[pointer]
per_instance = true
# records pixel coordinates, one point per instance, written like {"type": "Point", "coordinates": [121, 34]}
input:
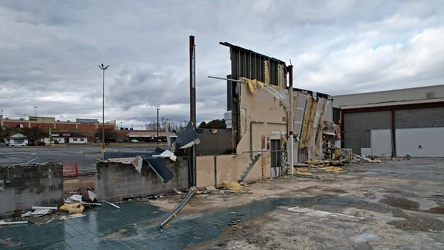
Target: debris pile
{"type": "Point", "coordinates": [335, 170]}
{"type": "Point", "coordinates": [232, 186]}
{"type": "Point", "coordinates": [72, 208]}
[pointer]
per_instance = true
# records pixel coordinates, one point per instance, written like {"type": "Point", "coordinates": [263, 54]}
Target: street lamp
{"type": "Point", "coordinates": [35, 110]}
{"type": "Point", "coordinates": [103, 68]}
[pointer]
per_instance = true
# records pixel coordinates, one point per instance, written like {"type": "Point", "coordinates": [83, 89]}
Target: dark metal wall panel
{"type": "Point", "coordinates": [420, 118]}
{"type": "Point", "coordinates": [357, 128]}
{"type": "Point", "coordinates": [249, 64]}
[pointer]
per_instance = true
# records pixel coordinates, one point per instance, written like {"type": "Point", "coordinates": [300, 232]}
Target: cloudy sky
{"type": "Point", "coordinates": [50, 51]}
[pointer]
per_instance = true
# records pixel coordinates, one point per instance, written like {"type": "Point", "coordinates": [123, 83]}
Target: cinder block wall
{"type": "Point", "coordinates": [213, 170]}
{"type": "Point", "coordinates": [22, 187]}
{"type": "Point", "coordinates": [118, 181]}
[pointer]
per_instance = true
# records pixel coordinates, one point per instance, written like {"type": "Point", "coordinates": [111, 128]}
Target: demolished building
{"type": "Point", "coordinates": [269, 130]}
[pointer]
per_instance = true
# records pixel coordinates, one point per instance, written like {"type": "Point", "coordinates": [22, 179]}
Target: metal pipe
{"type": "Point", "coordinates": [222, 78]}
{"type": "Point", "coordinates": [181, 205]}
{"type": "Point", "coordinates": [290, 118]}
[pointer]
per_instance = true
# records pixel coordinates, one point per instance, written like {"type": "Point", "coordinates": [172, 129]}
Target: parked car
{"type": "Point", "coordinates": [2, 144]}
{"type": "Point", "coordinates": [41, 143]}
{"type": "Point", "coordinates": [17, 144]}
{"type": "Point", "coordinates": [134, 140]}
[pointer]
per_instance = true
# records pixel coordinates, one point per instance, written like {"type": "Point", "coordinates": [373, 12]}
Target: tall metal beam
{"type": "Point", "coordinates": [290, 118]}
{"type": "Point", "coordinates": [192, 172]}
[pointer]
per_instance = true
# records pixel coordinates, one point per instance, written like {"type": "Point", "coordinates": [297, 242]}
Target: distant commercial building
{"type": "Point", "coordinates": [86, 127]}
{"type": "Point", "coordinates": [393, 123]}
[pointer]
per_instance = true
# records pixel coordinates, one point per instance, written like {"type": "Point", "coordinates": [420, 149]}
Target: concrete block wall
{"type": "Point", "coordinates": [420, 118]}
{"type": "Point", "coordinates": [213, 170]}
{"type": "Point", "coordinates": [118, 181]}
{"type": "Point", "coordinates": [22, 187]}
{"type": "Point", "coordinates": [357, 128]}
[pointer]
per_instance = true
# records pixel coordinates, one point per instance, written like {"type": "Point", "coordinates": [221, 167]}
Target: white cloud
{"type": "Point", "coordinates": [50, 52]}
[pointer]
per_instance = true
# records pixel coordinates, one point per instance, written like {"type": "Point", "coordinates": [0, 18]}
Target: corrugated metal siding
{"type": "Point", "coordinates": [249, 64]}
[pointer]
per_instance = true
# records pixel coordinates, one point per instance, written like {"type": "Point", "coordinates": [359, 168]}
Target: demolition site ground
{"type": "Point", "coordinates": [394, 204]}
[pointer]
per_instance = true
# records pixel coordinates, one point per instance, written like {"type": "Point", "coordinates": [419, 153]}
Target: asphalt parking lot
{"type": "Point", "coordinates": [85, 155]}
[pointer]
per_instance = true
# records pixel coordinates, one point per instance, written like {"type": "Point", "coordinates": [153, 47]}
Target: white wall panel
{"type": "Point", "coordinates": [381, 142]}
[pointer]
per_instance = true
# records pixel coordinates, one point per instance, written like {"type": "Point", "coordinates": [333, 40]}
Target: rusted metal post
{"type": "Point", "coordinates": [192, 171]}
{"type": "Point", "coordinates": [290, 118]}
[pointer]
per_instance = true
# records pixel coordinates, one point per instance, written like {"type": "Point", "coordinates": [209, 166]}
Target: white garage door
{"type": "Point", "coordinates": [420, 142]}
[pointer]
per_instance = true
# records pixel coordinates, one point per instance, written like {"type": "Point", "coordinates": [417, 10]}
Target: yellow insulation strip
{"type": "Point", "coordinates": [252, 84]}
{"type": "Point", "coordinates": [321, 123]}
{"type": "Point", "coordinates": [281, 76]}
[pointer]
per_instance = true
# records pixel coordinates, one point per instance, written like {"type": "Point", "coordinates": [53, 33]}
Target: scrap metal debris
{"type": "Point", "coordinates": [186, 138]}
{"type": "Point", "coordinates": [359, 158]}
{"type": "Point", "coordinates": [7, 223]}
{"type": "Point", "coordinates": [160, 168]}
{"type": "Point", "coordinates": [165, 154]}
{"type": "Point", "coordinates": [138, 163]}
{"type": "Point", "coordinates": [112, 204]}
{"type": "Point", "coordinates": [177, 191]}
{"type": "Point", "coordinates": [88, 195]}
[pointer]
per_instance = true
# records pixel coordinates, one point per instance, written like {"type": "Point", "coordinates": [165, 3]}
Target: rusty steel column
{"type": "Point", "coordinates": [192, 169]}
{"type": "Point", "coordinates": [290, 119]}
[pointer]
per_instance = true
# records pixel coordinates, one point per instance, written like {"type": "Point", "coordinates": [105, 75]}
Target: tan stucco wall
{"type": "Point", "coordinates": [230, 168]}
{"type": "Point", "coordinates": [260, 107]}
{"type": "Point", "coordinates": [261, 169]}
{"type": "Point", "coordinates": [205, 171]}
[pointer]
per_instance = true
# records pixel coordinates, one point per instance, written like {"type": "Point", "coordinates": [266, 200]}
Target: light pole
{"type": "Point", "coordinates": [157, 139]}
{"type": "Point", "coordinates": [35, 110]}
{"type": "Point", "coordinates": [121, 126]}
{"type": "Point", "coordinates": [103, 68]}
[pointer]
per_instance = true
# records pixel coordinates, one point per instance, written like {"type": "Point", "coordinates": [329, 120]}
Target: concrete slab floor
{"type": "Point", "coordinates": [392, 205]}
{"type": "Point", "coordinates": [136, 226]}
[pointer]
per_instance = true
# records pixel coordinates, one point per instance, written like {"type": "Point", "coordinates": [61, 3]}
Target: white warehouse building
{"type": "Point", "coordinates": [393, 123]}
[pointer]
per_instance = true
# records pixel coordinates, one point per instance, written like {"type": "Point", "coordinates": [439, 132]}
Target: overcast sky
{"type": "Point", "coordinates": [50, 51]}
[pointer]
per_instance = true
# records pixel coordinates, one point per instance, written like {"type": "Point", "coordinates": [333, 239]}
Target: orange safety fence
{"type": "Point", "coordinates": [70, 170]}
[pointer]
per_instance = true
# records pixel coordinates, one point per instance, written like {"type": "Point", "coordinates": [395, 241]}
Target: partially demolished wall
{"type": "Point", "coordinates": [118, 180]}
{"type": "Point", "coordinates": [24, 186]}
{"type": "Point", "coordinates": [264, 112]}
